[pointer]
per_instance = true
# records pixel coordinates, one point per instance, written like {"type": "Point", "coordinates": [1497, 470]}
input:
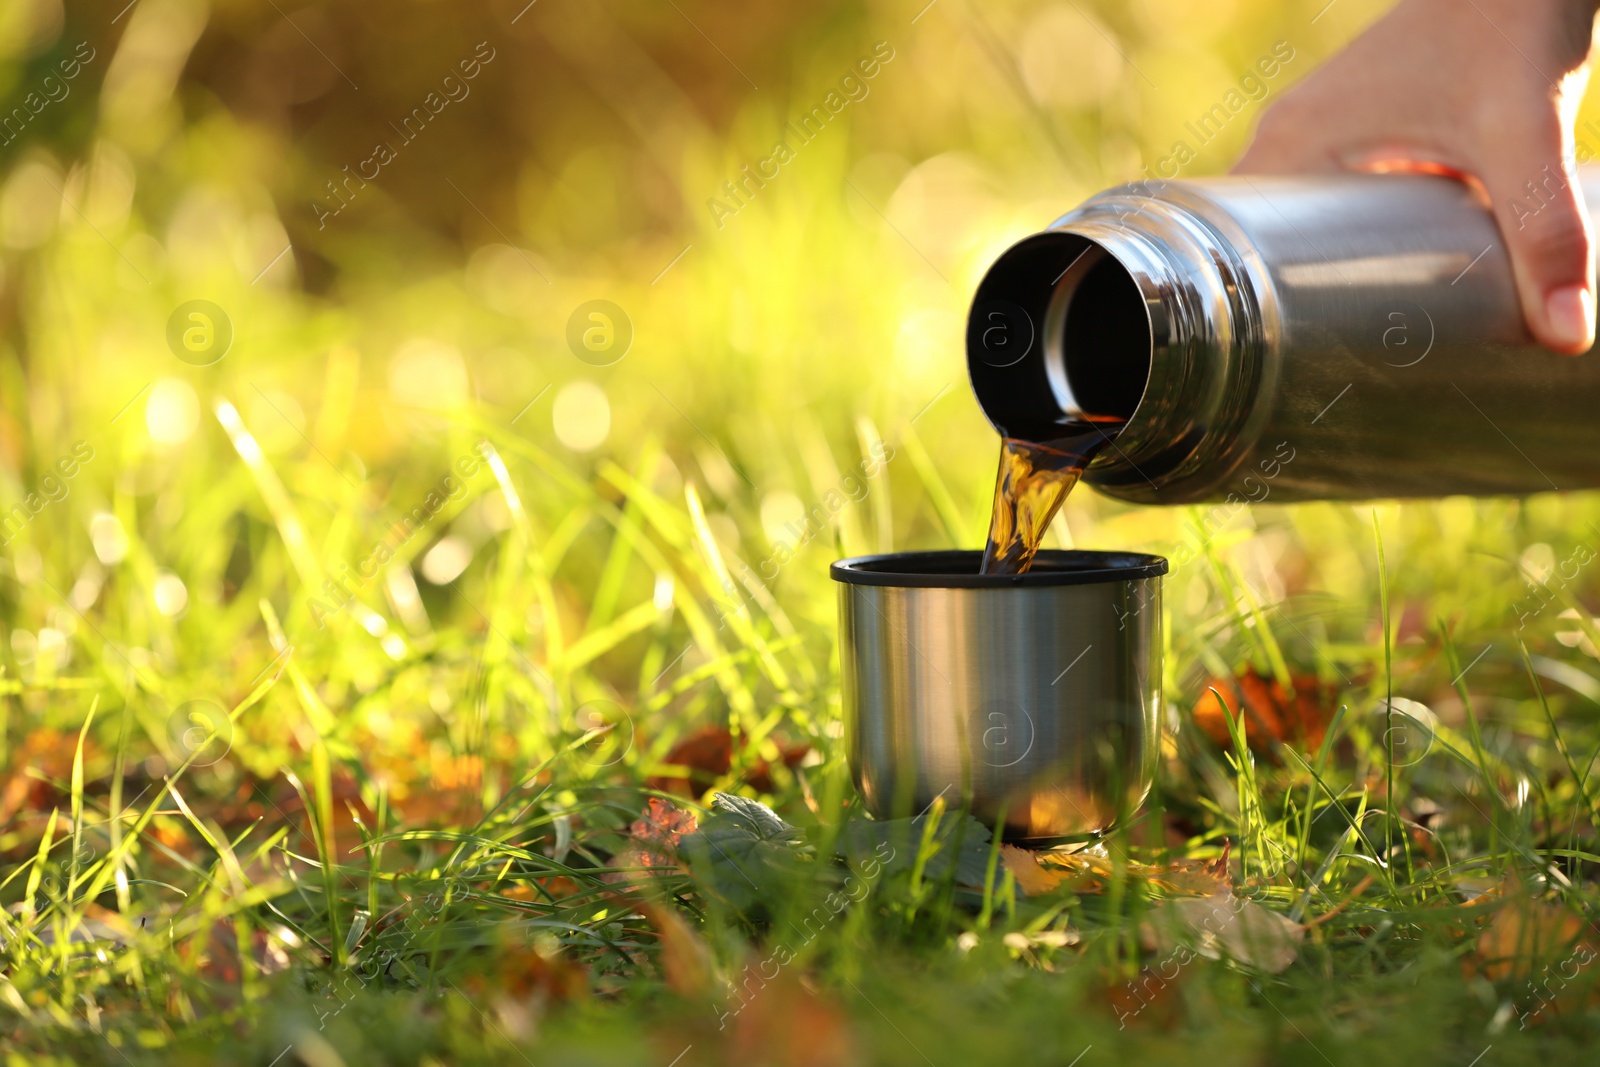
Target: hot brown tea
{"type": "Point", "coordinates": [1034, 478]}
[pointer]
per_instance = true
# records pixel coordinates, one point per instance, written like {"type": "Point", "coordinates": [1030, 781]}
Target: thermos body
{"type": "Point", "coordinates": [1285, 338]}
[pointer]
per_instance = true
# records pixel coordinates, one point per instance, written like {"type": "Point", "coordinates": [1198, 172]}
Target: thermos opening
{"type": "Point", "coordinates": [1059, 331]}
{"type": "Point", "coordinates": [1098, 356]}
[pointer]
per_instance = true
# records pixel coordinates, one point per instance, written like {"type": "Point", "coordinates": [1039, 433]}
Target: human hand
{"type": "Point", "coordinates": [1485, 90]}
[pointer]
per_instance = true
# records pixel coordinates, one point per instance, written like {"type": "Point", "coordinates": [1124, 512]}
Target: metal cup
{"type": "Point", "coordinates": [1032, 698]}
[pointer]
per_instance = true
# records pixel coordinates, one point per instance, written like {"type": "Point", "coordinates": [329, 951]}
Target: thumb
{"type": "Point", "coordinates": [1543, 220]}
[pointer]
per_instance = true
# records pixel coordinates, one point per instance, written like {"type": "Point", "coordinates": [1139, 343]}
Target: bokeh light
{"type": "Point", "coordinates": [173, 412]}
{"type": "Point", "coordinates": [581, 416]}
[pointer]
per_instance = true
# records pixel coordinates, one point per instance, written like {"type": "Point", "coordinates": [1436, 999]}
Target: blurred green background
{"type": "Point", "coordinates": [432, 513]}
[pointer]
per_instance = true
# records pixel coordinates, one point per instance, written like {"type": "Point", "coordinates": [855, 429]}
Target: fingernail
{"type": "Point", "coordinates": [1570, 313]}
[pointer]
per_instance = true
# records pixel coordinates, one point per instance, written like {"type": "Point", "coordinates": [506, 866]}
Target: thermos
{"type": "Point", "coordinates": [1291, 338]}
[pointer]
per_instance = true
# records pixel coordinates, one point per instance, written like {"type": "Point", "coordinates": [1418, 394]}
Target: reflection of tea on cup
{"type": "Point", "coordinates": [1033, 481]}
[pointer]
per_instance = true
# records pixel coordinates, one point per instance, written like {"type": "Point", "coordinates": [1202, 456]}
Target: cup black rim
{"type": "Point", "coordinates": [958, 569]}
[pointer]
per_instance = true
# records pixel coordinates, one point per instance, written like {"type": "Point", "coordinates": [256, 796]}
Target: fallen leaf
{"type": "Point", "coordinates": [1271, 716]}
{"type": "Point", "coordinates": [451, 772]}
{"type": "Point", "coordinates": [1224, 925]}
{"type": "Point", "coordinates": [707, 754]}
{"type": "Point", "coordinates": [1032, 879]}
{"type": "Point", "coordinates": [1089, 870]}
{"type": "Point", "coordinates": [526, 973]}
{"type": "Point", "coordinates": [1526, 935]}
{"type": "Point", "coordinates": [1200, 877]}
{"type": "Point", "coordinates": [653, 839]}
{"type": "Point", "coordinates": [42, 754]}
{"type": "Point", "coordinates": [762, 820]}
{"type": "Point", "coordinates": [685, 960]}
{"type": "Point", "coordinates": [1540, 947]}
{"type": "Point", "coordinates": [658, 831]}
{"type": "Point", "coordinates": [743, 853]}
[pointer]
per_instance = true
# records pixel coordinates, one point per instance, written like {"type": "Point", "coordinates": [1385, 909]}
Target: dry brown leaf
{"type": "Point", "coordinates": [1540, 947]}
{"type": "Point", "coordinates": [525, 973]}
{"type": "Point", "coordinates": [1032, 879]}
{"type": "Point", "coordinates": [708, 755]}
{"type": "Point", "coordinates": [1197, 877]}
{"type": "Point", "coordinates": [450, 773]}
{"type": "Point", "coordinates": [1525, 935]}
{"type": "Point", "coordinates": [44, 753]}
{"type": "Point", "coordinates": [1090, 870]}
{"type": "Point", "coordinates": [1271, 716]}
{"type": "Point", "coordinates": [685, 960]}
{"type": "Point", "coordinates": [658, 831]}
{"type": "Point", "coordinates": [652, 840]}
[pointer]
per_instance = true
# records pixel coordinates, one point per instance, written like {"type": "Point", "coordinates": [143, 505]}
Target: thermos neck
{"type": "Point", "coordinates": [1128, 308]}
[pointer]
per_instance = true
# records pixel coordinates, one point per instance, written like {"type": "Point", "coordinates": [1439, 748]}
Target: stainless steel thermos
{"type": "Point", "coordinates": [1298, 338]}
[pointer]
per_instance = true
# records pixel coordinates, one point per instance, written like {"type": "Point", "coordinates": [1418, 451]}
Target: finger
{"type": "Point", "coordinates": [1539, 208]}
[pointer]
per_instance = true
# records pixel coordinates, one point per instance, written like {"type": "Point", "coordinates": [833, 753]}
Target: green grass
{"type": "Point", "coordinates": [424, 845]}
